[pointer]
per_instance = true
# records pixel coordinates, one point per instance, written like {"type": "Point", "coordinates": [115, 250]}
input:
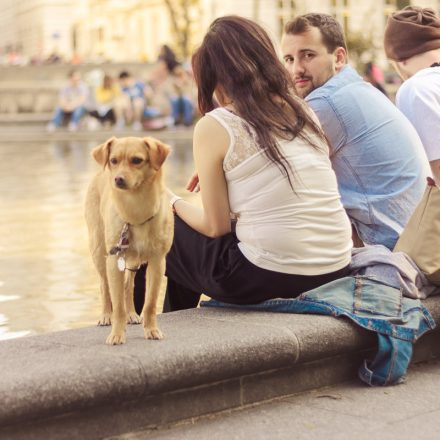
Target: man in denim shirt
{"type": "Point", "coordinates": [377, 155]}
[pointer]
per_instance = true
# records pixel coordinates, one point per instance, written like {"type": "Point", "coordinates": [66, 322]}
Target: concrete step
{"type": "Point", "coordinates": [70, 385]}
{"type": "Point", "coordinates": [24, 118]}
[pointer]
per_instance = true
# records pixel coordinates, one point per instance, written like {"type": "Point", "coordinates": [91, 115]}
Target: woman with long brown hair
{"type": "Point", "coordinates": [261, 156]}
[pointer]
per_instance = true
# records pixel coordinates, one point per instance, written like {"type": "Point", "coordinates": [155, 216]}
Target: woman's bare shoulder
{"type": "Point", "coordinates": [209, 129]}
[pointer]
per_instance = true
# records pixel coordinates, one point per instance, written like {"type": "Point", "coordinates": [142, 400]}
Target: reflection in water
{"type": "Point", "coordinates": [47, 280]}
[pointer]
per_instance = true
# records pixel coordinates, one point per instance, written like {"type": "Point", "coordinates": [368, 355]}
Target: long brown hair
{"type": "Point", "coordinates": [238, 57]}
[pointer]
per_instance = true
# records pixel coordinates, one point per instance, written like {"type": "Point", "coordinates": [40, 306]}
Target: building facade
{"type": "Point", "coordinates": [37, 28]}
{"type": "Point", "coordinates": [134, 30]}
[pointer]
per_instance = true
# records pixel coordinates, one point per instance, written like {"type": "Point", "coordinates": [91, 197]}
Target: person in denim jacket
{"type": "Point", "coordinates": [377, 155]}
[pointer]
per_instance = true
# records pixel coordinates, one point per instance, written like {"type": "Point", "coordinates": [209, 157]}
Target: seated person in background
{"type": "Point", "coordinates": [134, 102]}
{"type": "Point", "coordinates": [168, 57]}
{"type": "Point", "coordinates": [72, 102]}
{"type": "Point", "coordinates": [171, 79]}
{"type": "Point", "coordinates": [412, 42]}
{"type": "Point", "coordinates": [263, 157]}
{"type": "Point", "coordinates": [153, 118]}
{"type": "Point", "coordinates": [374, 75]}
{"type": "Point", "coordinates": [108, 103]}
{"type": "Point", "coordinates": [182, 107]}
{"type": "Point", "coordinates": [377, 155]}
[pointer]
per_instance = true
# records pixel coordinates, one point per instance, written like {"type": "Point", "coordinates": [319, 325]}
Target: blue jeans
{"type": "Point", "coordinates": [182, 107]}
{"type": "Point", "coordinates": [75, 116]}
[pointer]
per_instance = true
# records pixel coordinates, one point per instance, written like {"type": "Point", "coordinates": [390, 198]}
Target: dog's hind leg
{"type": "Point", "coordinates": [119, 315]}
{"type": "Point", "coordinates": [132, 316]}
{"type": "Point", "coordinates": [155, 274]}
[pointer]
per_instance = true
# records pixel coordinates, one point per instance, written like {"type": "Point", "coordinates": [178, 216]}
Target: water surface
{"type": "Point", "coordinates": [47, 279]}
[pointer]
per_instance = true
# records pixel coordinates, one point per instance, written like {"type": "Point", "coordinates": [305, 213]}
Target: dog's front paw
{"type": "Point", "coordinates": [115, 339]}
{"type": "Point", "coordinates": [133, 318]}
{"type": "Point", "coordinates": [105, 319]}
{"type": "Point", "coordinates": [153, 333]}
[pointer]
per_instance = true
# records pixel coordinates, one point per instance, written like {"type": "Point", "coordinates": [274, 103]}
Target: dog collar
{"type": "Point", "coordinates": [123, 242]}
{"type": "Point", "coordinates": [124, 238]}
{"type": "Point", "coordinates": [143, 223]}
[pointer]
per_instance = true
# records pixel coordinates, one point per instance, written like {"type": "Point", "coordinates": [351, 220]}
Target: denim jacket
{"type": "Point", "coordinates": [397, 321]}
{"type": "Point", "coordinates": [377, 156]}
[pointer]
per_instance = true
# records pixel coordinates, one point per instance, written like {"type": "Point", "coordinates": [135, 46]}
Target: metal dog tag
{"type": "Point", "coordinates": [121, 264]}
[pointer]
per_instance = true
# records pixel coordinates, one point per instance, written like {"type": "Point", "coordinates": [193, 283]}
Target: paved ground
{"type": "Point", "coordinates": [348, 411]}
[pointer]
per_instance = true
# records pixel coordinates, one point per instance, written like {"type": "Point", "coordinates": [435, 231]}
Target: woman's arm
{"type": "Point", "coordinates": [210, 144]}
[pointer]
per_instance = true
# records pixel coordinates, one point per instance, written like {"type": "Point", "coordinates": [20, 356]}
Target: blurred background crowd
{"type": "Point", "coordinates": [166, 98]}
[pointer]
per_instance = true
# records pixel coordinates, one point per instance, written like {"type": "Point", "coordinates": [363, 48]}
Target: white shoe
{"type": "Point", "coordinates": [137, 126]}
{"type": "Point", "coordinates": [51, 127]}
{"type": "Point", "coordinates": [120, 125]}
{"type": "Point", "coordinates": [93, 124]}
{"type": "Point", "coordinates": [72, 126]}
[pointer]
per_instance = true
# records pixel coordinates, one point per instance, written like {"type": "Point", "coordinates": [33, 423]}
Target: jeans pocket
{"type": "Point", "coordinates": [374, 297]}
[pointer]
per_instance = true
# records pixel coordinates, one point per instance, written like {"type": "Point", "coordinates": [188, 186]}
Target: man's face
{"type": "Point", "coordinates": [308, 60]}
{"type": "Point", "coordinates": [75, 78]}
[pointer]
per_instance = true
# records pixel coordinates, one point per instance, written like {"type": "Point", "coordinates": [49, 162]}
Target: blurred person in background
{"type": "Point", "coordinates": [377, 155]}
{"type": "Point", "coordinates": [412, 43]}
{"type": "Point", "coordinates": [174, 81]}
{"type": "Point", "coordinates": [181, 97]}
{"type": "Point", "coordinates": [72, 102]}
{"type": "Point", "coordinates": [168, 57]}
{"type": "Point", "coordinates": [134, 100]}
{"type": "Point", "coordinates": [375, 76]}
{"type": "Point", "coordinates": [108, 103]}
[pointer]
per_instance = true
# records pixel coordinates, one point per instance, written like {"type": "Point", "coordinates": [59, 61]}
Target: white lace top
{"type": "Point", "coordinates": [305, 231]}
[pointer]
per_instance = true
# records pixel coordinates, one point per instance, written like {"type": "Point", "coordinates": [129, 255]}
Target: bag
{"type": "Point", "coordinates": [420, 238]}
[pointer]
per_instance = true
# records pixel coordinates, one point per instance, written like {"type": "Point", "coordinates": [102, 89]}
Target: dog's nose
{"type": "Point", "coordinates": [120, 182]}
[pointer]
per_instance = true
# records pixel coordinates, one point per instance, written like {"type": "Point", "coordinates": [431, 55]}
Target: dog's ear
{"type": "Point", "coordinates": [158, 151]}
{"type": "Point", "coordinates": [101, 153]}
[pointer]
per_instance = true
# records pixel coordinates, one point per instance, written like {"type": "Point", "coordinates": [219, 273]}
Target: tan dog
{"type": "Point", "coordinates": [130, 222]}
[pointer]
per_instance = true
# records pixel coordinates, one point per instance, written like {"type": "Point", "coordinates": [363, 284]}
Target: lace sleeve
{"type": "Point", "coordinates": [245, 143]}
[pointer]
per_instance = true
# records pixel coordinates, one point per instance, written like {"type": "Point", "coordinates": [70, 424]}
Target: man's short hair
{"type": "Point", "coordinates": [124, 74]}
{"type": "Point", "coordinates": [331, 31]}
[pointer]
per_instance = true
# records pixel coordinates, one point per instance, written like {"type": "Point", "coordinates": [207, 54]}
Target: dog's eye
{"type": "Point", "coordinates": [136, 160]}
{"type": "Point", "coordinates": [113, 161]}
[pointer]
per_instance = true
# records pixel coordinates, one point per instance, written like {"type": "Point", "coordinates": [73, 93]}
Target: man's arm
{"type": "Point", "coordinates": [331, 122]}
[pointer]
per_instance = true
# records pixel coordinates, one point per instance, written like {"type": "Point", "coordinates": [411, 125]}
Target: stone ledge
{"type": "Point", "coordinates": [26, 117]}
{"type": "Point", "coordinates": [71, 385]}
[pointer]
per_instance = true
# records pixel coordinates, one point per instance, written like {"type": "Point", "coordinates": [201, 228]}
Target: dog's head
{"type": "Point", "coordinates": [131, 160]}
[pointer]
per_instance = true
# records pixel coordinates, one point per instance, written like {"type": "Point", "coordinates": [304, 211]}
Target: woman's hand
{"type": "Point", "coordinates": [193, 183]}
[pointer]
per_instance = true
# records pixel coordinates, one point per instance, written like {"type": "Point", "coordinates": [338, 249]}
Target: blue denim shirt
{"type": "Point", "coordinates": [376, 153]}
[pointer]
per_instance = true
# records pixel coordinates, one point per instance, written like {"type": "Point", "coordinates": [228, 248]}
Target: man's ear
{"type": "Point", "coordinates": [101, 153]}
{"type": "Point", "coordinates": [157, 150]}
{"type": "Point", "coordinates": [340, 58]}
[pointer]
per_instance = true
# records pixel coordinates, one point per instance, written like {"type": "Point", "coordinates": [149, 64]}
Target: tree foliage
{"type": "Point", "coordinates": [183, 15]}
{"type": "Point", "coordinates": [359, 44]}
